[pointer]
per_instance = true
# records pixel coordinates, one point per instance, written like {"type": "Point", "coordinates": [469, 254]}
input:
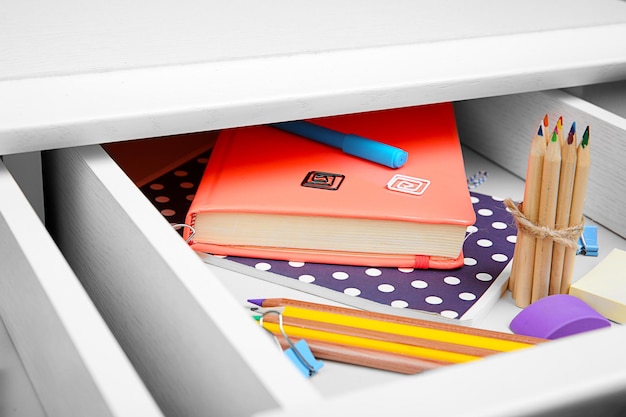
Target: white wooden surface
{"type": "Point", "coordinates": [73, 362]}
{"type": "Point", "coordinates": [75, 73]}
{"type": "Point", "coordinates": [609, 96]}
{"type": "Point", "coordinates": [562, 378]}
{"type": "Point", "coordinates": [197, 350]}
{"type": "Point", "coordinates": [17, 394]}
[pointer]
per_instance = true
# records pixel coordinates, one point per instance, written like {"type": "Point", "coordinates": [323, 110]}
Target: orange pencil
{"type": "Point", "coordinates": [547, 217]}
{"type": "Point", "coordinates": [564, 204]}
{"type": "Point", "coordinates": [583, 163]}
{"type": "Point", "coordinates": [524, 255]}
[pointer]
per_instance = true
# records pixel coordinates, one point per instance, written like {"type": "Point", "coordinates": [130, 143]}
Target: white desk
{"type": "Point", "coordinates": [75, 73]}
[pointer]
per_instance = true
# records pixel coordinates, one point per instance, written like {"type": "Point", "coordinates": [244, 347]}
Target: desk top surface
{"type": "Point", "coordinates": [69, 37]}
{"type": "Point", "coordinates": [109, 71]}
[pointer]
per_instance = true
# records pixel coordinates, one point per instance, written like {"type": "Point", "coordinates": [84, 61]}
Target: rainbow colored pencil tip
{"type": "Point", "coordinates": [585, 141]}
{"type": "Point", "coordinates": [570, 136]}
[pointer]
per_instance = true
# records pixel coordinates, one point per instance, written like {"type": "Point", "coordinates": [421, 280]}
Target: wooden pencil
{"type": "Point", "coordinates": [396, 337]}
{"type": "Point", "coordinates": [547, 217]}
{"type": "Point", "coordinates": [392, 329]}
{"type": "Point", "coordinates": [385, 361]}
{"type": "Point", "coordinates": [564, 204]}
{"type": "Point", "coordinates": [583, 163]}
{"type": "Point", "coordinates": [365, 343]}
{"type": "Point", "coordinates": [284, 302]}
{"type": "Point", "coordinates": [524, 253]}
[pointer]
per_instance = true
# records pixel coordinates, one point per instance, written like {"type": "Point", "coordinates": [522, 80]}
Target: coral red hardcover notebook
{"type": "Point", "coordinates": [271, 194]}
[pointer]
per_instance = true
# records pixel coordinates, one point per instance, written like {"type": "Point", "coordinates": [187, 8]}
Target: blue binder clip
{"type": "Point", "coordinates": [298, 353]}
{"type": "Point", "coordinates": [301, 356]}
{"type": "Point", "coordinates": [588, 242]}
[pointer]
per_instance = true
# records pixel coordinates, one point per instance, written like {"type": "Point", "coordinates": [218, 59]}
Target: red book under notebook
{"type": "Point", "coordinates": [271, 194]}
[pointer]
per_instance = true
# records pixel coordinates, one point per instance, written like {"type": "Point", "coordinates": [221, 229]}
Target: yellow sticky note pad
{"type": "Point", "coordinates": [604, 287]}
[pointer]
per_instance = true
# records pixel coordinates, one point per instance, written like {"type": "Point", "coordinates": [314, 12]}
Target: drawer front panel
{"type": "Point", "coordinates": [66, 349]}
{"type": "Point", "coordinates": [197, 350]}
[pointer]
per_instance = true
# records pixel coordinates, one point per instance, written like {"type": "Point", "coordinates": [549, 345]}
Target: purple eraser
{"type": "Point", "coordinates": [557, 316]}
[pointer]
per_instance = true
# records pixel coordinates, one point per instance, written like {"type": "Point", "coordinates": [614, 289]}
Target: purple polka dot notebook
{"type": "Point", "coordinates": [460, 296]}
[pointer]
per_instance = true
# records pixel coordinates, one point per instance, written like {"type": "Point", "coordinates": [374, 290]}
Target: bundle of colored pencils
{"type": "Point", "coordinates": [383, 341]}
{"type": "Point", "coordinates": [551, 216]}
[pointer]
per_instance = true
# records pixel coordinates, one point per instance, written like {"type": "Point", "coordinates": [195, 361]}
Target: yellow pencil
{"type": "Point", "coordinates": [391, 328]}
{"type": "Point", "coordinates": [564, 204]}
{"type": "Point", "coordinates": [365, 343]}
{"type": "Point", "coordinates": [583, 163]}
{"type": "Point", "coordinates": [378, 335]}
{"type": "Point", "coordinates": [279, 303]}
{"type": "Point", "coordinates": [547, 217]}
{"type": "Point", "coordinates": [524, 255]}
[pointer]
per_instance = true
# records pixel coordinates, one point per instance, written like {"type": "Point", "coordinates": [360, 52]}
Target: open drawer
{"type": "Point", "coordinates": [193, 345]}
{"type": "Point", "coordinates": [199, 353]}
{"type": "Point", "coordinates": [73, 364]}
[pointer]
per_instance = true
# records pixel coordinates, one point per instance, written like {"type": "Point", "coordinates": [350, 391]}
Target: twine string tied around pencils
{"type": "Point", "coordinates": [567, 236]}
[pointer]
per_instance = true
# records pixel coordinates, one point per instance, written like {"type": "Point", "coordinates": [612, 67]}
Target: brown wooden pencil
{"type": "Point", "coordinates": [283, 302]}
{"type": "Point", "coordinates": [583, 164]}
{"type": "Point", "coordinates": [564, 204]}
{"type": "Point", "coordinates": [385, 361]}
{"type": "Point", "coordinates": [524, 254]}
{"type": "Point", "coordinates": [370, 334]}
{"type": "Point", "coordinates": [547, 217]}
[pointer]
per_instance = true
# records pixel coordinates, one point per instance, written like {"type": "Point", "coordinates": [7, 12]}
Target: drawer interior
{"type": "Point", "coordinates": [133, 264]}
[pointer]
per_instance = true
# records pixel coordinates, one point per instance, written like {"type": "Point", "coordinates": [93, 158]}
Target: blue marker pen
{"type": "Point", "coordinates": [351, 144]}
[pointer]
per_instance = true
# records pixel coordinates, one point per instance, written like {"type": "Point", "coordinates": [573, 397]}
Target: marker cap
{"type": "Point", "coordinates": [374, 151]}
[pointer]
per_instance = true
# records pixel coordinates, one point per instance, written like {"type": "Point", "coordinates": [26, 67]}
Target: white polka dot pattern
{"type": "Point", "coordinates": [488, 249]}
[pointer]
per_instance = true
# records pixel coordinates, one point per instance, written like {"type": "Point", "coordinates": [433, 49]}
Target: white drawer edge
{"type": "Point", "coordinates": [181, 328]}
{"type": "Point", "coordinates": [320, 84]}
{"type": "Point", "coordinates": [72, 359]}
{"type": "Point", "coordinates": [563, 377]}
{"type": "Point", "coordinates": [501, 128]}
